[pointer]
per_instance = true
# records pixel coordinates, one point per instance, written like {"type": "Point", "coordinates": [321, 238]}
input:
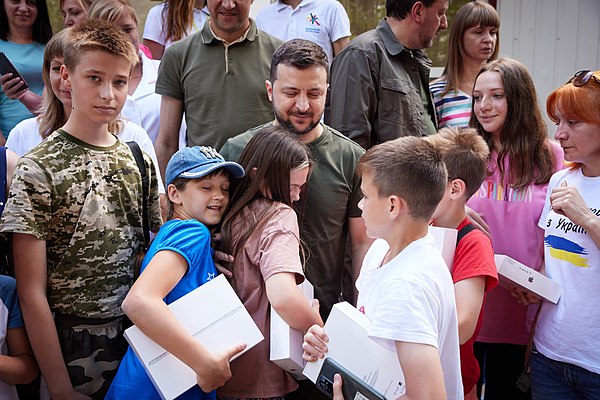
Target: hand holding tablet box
{"type": "Point", "coordinates": [511, 273]}
{"type": "Point", "coordinates": [352, 386]}
{"type": "Point", "coordinates": [286, 342]}
{"type": "Point", "coordinates": [350, 345]}
{"type": "Point", "coordinates": [215, 316]}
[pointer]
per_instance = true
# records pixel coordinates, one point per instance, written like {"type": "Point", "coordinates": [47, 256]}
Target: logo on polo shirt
{"type": "Point", "coordinates": [313, 19]}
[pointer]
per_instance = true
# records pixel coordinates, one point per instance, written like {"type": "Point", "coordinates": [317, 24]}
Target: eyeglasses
{"type": "Point", "coordinates": [582, 77]}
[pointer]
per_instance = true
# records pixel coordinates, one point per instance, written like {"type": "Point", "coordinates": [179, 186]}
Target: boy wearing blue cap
{"type": "Point", "coordinates": [178, 261]}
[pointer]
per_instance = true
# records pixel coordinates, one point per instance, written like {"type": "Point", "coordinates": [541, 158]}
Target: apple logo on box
{"type": "Point", "coordinates": [530, 279]}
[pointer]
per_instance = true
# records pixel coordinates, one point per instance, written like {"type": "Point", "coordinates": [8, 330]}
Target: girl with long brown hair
{"type": "Point", "coordinates": [510, 200]}
{"type": "Point", "coordinates": [260, 229]}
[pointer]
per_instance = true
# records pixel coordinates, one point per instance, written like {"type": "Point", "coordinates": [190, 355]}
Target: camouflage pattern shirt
{"type": "Point", "coordinates": [86, 203]}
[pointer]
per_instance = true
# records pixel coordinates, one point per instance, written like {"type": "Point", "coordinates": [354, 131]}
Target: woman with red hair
{"type": "Point", "coordinates": [565, 361]}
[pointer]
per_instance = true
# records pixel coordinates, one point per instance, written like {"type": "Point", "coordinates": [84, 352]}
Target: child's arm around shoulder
{"type": "Point", "coordinates": [19, 366]}
{"type": "Point", "coordinates": [145, 306]}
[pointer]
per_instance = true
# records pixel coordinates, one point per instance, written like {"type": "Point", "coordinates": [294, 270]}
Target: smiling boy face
{"type": "Point", "coordinates": [203, 199]}
{"type": "Point", "coordinates": [98, 85]}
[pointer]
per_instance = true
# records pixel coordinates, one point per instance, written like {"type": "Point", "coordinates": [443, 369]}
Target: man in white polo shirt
{"type": "Point", "coordinates": [324, 22]}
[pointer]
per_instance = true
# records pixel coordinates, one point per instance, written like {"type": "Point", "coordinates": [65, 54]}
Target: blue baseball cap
{"type": "Point", "coordinates": [198, 161]}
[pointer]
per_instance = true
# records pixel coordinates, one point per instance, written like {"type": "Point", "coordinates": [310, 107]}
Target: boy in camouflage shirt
{"type": "Point", "coordinates": [75, 209]}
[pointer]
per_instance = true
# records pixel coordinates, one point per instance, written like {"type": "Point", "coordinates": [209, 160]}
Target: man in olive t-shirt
{"type": "Point", "coordinates": [216, 76]}
{"type": "Point", "coordinates": [297, 88]}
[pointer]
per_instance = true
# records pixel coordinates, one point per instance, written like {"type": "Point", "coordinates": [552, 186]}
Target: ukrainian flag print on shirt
{"type": "Point", "coordinates": [565, 250]}
{"type": "Point", "coordinates": [567, 243]}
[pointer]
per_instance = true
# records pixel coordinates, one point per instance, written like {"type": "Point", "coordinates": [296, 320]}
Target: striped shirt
{"type": "Point", "coordinates": [453, 108]}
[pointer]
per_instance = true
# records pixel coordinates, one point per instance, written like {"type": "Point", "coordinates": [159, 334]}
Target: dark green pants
{"type": "Point", "coordinates": [92, 349]}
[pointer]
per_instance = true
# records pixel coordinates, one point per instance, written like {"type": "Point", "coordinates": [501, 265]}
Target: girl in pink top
{"type": "Point", "coordinates": [510, 200]}
{"type": "Point", "coordinates": [260, 229]}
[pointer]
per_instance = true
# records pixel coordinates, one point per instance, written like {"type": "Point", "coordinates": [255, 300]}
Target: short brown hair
{"type": "Point", "coordinates": [100, 35]}
{"type": "Point", "coordinates": [408, 167]}
{"type": "Point", "coordinates": [300, 54]}
{"type": "Point", "coordinates": [465, 154]}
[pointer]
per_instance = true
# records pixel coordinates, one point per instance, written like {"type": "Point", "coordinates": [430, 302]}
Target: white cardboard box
{"type": "Point", "coordinates": [350, 345]}
{"type": "Point", "coordinates": [445, 241]}
{"type": "Point", "coordinates": [215, 316]}
{"type": "Point", "coordinates": [511, 272]}
{"type": "Point", "coordinates": [286, 342]}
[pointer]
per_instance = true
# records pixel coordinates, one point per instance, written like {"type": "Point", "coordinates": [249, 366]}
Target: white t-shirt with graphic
{"type": "Point", "coordinates": [570, 330]}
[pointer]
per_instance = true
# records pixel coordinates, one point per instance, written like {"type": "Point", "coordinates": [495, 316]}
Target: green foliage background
{"type": "Point", "coordinates": [366, 14]}
{"type": "Point", "coordinates": [141, 7]}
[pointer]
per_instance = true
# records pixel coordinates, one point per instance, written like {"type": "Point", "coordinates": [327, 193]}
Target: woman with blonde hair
{"type": "Point", "coordinates": [171, 21]}
{"type": "Point", "coordinates": [474, 40]}
{"type": "Point", "coordinates": [565, 360]}
{"type": "Point", "coordinates": [74, 12]}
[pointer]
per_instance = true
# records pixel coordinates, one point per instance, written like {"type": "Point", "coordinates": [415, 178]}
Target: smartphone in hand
{"type": "Point", "coordinates": [7, 67]}
{"type": "Point", "coordinates": [353, 387]}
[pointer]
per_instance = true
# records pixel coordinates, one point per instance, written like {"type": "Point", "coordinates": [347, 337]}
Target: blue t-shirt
{"type": "Point", "coordinates": [191, 239]}
{"type": "Point", "coordinates": [10, 313]}
{"type": "Point", "coordinates": [10, 317]}
{"type": "Point", "coordinates": [27, 59]}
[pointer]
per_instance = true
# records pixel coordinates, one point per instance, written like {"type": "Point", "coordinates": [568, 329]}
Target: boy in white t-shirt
{"type": "Point", "coordinates": [404, 285]}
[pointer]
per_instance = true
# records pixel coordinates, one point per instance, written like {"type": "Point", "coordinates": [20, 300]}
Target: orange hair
{"type": "Point", "coordinates": [580, 103]}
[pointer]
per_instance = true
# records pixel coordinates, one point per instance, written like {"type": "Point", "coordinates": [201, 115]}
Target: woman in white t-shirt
{"type": "Point", "coordinates": [171, 21]}
{"type": "Point", "coordinates": [565, 360]}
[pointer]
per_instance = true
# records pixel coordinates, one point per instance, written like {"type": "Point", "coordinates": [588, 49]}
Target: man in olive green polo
{"type": "Point", "coordinates": [217, 77]}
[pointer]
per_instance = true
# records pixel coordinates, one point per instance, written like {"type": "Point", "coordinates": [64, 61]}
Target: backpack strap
{"type": "Point", "coordinates": [462, 232]}
{"type": "Point", "coordinates": [139, 160]}
{"type": "Point", "coordinates": [3, 171]}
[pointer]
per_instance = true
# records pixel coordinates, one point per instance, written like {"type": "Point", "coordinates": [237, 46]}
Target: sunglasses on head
{"type": "Point", "coordinates": [582, 77]}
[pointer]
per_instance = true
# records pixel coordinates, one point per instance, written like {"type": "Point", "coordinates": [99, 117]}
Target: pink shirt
{"type": "Point", "coordinates": [272, 248]}
{"type": "Point", "coordinates": [512, 216]}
